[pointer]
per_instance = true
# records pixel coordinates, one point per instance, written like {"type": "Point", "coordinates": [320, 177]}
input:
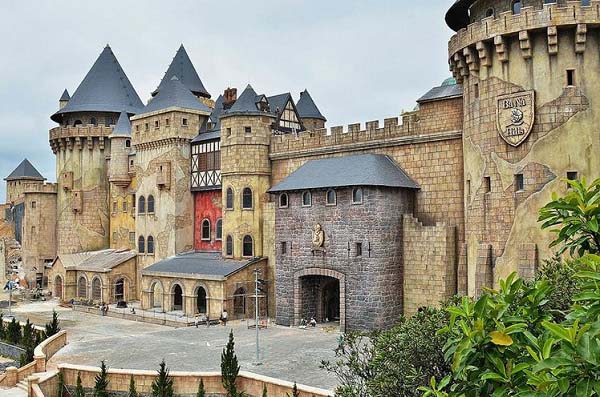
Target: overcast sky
{"type": "Point", "coordinates": [360, 60]}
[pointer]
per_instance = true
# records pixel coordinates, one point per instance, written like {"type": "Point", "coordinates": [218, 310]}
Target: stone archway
{"type": "Point", "coordinates": [201, 300]}
{"type": "Point", "coordinates": [177, 297]}
{"type": "Point", "coordinates": [82, 292]}
{"type": "Point", "coordinates": [120, 289]}
{"type": "Point", "coordinates": [320, 293]}
{"type": "Point", "coordinates": [239, 302]}
{"type": "Point", "coordinates": [97, 289]}
{"type": "Point", "coordinates": [156, 295]}
{"type": "Point", "coordinates": [58, 287]}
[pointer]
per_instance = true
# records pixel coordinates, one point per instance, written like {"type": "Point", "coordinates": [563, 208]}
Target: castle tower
{"type": "Point", "coordinates": [310, 114]}
{"type": "Point", "coordinates": [18, 181]}
{"type": "Point", "coordinates": [246, 130]}
{"type": "Point", "coordinates": [81, 146]}
{"type": "Point", "coordinates": [64, 99]}
{"type": "Point", "coordinates": [162, 133]}
{"type": "Point", "coordinates": [529, 72]}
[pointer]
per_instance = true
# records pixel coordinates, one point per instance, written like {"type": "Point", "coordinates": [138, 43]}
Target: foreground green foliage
{"type": "Point", "coordinates": [230, 368]}
{"type": "Point", "coordinates": [53, 327]}
{"type": "Point", "coordinates": [101, 384]}
{"type": "Point", "coordinates": [163, 384]}
{"type": "Point", "coordinates": [132, 390]}
{"type": "Point", "coordinates": [79, 392]}
{"type": "Point", "coordinates": [201, 392]}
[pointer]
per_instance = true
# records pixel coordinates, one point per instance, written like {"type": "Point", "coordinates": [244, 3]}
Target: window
{"type": "Point", "coordinates": [82, 288]}
{"type": "Point", "coordinates": [127, 143]}
{"type": "Point", "coordinates": [570, 77]}
{"type": "Point", "coordinates": [125, 205]}
{"type": "Point", "coordinates": [156, 124]}
{"type": "Point", "coordinates": [229, 199]}
{"type": "Point", "coordinates": [306, 199]}
{"type": "Point", "coordinates": [229, 246]}
{"type": "Point", "coordinates": [219, 229]}
{"type": "Point", "coordinates": [76, 123]}
{"type": "Point", "coordinates": [32, 229]}
{"type": "Point", "coordinates": [358, 249]}
{"type": "Point", "coordinates": [150, 244]}
{"type": "Point", "coordinates": [357, 196]}
{"type": "Point", "coordinates": [331, 198]}
{"type": "Point", "coordinates": [141, 245]}
{"type": "Point", "coordinates": [205, 230]}
{"type": "Point", "coordinates": [476, 90]}
{"type": "Point", "coordinates": [109, 121]}
{"type": "Point", "coordinates": [247, 199]}
{"type": "Point", "coordinates": [487, 184]}
{"type": "Point", "coordinates": [147, 127]}
{"type": "Point", "coordinates": [228, 132]}
{"type": "Point", "coordinates": [114, 237]}
{"type": "Point", "coordinates": [184, 122]}
{"type": "Point", "coordinates": [248, 248]}
{"type": "Point", "coordinates": [519, 182]}
{"type": "Point", "coordinates": [516, 6]}
{"type": "Point", "coordinates": [137, 128]}
{"type": "Point", "coordinates": [167, 122]}
{"type": "Point", "coordinates": [93, 121]}
{"type": "Point", "coordinates": [142, 205]}
{"type": "Point", "coordinates": [283, 200]}
{"type": "Point", "coordinates": [572, 176]}
{"type": "Point", "coordinates": [33, 204]}
{"type": "Point", "coordinates": [490, 12]}
{"type": "Point", "coordinates": [151, 204]}
{"type": "Point", "coordinates": [114, 207]}
{"type": "Point", "coordinates": [283, 248]}
{"type": "Point", "coordinates": [248, 130]}
{"type": "Point", "coordinates": [131, 237]}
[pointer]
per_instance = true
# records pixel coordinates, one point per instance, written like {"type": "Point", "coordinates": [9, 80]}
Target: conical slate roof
{"type": "Point", "coordinates": [182, 67]}
{"type": "Point", "coordinates": [175, 94]}
{"type": "Point", "coordinates": [246, 103]}
{"type": "Point", "coordinates": [25, 170]}
{"type": "Point", "coordinates": [307, 108]}
{"type": "Point", "coordinates": [123, 126]}
{"type": "Point", "coordinates": [65, 96]}
{"type": "Point", "coordinates": [105, 88]}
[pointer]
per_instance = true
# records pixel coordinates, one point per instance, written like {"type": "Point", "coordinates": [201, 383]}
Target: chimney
{"type": "Point", "coordinates": [229, 97]}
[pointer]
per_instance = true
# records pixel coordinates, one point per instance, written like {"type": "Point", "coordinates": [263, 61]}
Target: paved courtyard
{"type": "Point", "coordinates": [286, 353]}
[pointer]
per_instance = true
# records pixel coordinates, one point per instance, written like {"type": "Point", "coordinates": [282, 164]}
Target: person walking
{"type": "Point", "coordinates": [224, 316]}
{"type": "Point", "coordinates": [196, 320]}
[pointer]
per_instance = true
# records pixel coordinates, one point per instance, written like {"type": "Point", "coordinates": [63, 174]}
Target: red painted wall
{"type": "Point", "coordinates": [208, 206]}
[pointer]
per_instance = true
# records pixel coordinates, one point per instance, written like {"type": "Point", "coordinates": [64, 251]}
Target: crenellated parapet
{"type": "Point", "coordinates": [473, 47]}
{"type": "Point", "coordinates": [79, 137]}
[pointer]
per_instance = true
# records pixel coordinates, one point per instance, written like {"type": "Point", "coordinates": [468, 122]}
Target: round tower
{"type": "Point", "coordinates": [120, 150]}
{"type": "Point", "coordinates": [529, 72]}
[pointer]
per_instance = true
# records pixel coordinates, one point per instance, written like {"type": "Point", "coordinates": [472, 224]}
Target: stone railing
{"type": "Point", "coordinates": [507, 23]}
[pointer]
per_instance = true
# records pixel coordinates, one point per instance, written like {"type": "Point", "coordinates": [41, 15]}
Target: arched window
{"type": "Point", "coordinates": [142, 205]}
{"type": "Point", "coordinates": [150, 244]}
{"type": "Point", "coordinates": [283, 200]}
{"type": "Point", "coordinates": [229, 199]}
{"type": "Point", "coordinates": [151, 204]}
{"type": "Point", "coordinates": [206, 230]}
{"type": "Point", "coordinates": [109, 121]}
{"type": "Point", "coordinates": [516, 6]}
{"type": "Point", "coordinates": [239, 302]}
{"type": "Point", "coordinates": [490, 12]}
{"type": "Point", "coordinates": [219, 229]}
{"type": "Point", "coordinates": [357, 196]}
{"type": "Point", "coordinates": [76, 123]}
{"type": "Point", "coordinates": [248, 247]}
{"type": "Point", "coordinates": [306, 199]}
{"type": "Point", "coordinates": [247, 198]}
{"type": "Point", "coordinates": [93, 121]}
{"type": "Point", "coordinates": [127, 143]}
{"type": "Point", "coordinates": [331, 198]}
{"type": "Point", "coordinates": [141, 245]}
{"type": "Point", "coordinates": [97, 289]}
{"type": "Point", "coordinates": [229, 246]}
{"type": "Point", "coordinates": [120, 290]}
{"type": "Point", "coordinates": [82, 288]}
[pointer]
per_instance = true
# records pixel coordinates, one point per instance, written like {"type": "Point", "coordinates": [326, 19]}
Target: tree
{"type": "Point", "coordinates": [229, 368]}
{"type": "Point", "coordinates": [132, 391]}
{"type": "Point", "coordinates": [61, 385]}
{"type": "Point", "coordinates": [201, 391]}
{"type": "Point", "coordinates": [53, 327]}
{"type": "Point", "coordinates": [295, 392]}
{"type": "Point", "coordinates": [163, 384]}
{"type": "Point", "coordinates": [574, 218]}
{"type": "Point", "coordinates": [264, 393]}
{"type": "Point", "coordinates": [2, 329]}
{"type": "Point", "coordinates": [29, 342]}
{"type": "Point", "coordinates": [13, 332]}
{"type": "Point", "coordinates": [79, 392]}
{"type": "Point", "coordinates": [101, 385]}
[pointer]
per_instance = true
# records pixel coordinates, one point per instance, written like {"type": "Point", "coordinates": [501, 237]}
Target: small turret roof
{"type": "Point", "coordinates": [65, 96]}
{"type": "Point", "coordinates": [123, 126]}
{"type": "Point", "coordinates": [307, 109]}
{"type": "Point", "coordinates": [105, 88]}
{"type": "Point", "coordinates": [246, 103]}
{"type": "Point", "coordinates": [25, 170]}
{"type": "Point", "coordinates": [182, 67]}
{"type": "Point", "coordinates": [278, 102]}
{"type": "Point", "coordinates": [175, 94]}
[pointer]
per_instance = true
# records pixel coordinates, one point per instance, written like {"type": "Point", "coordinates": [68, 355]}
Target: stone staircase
{"type": "Point", "coordinates": [22, 385]}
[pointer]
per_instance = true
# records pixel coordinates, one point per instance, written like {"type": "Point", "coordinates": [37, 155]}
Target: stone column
{"type": "Point", "coordinates": [31, 381]}
{"type": "Point", "coordinates": [40, 363]}
{"type": "Point", "coordinates": [12, 376]}
{"type": "Point", "coordinates": [189, 305]}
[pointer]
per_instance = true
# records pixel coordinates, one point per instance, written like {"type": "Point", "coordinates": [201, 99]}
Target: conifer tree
{"type": "Point", "coordinates": [13, 332]}
{"type": "Point", "coordinates": [101, 386]}
{"type": "Point", "coordinates": [28, 342]}
{"type": "Point", "coordinates": [295, 392]}
{"type": "Point", "coordinates": [53, 327]}
{"type": "Point", "coordinates": [132, 391]}
{"type": "Point", "coordinates": [60, 392]}
{"type": "Point", "coordinates": [201, 391]}
{"type": "Point", "coordinates": [229, 368]}
{"type": "Point", "coordinates": [264, 394]}
{"type": "Point", "coordinates": [163, 384]}
{"type": "Point", "coordinates": [79, 387]}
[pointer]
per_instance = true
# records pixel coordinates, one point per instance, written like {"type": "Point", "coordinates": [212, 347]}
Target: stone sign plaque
{"type": "Point", "coordinates": [514, 116]}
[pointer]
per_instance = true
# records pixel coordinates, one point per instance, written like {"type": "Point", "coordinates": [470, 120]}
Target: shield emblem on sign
{"type": "Point", "coordinates": [515, 115]}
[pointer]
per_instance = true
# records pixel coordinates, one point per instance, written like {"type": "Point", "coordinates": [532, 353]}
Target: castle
{"type": "Point", "coordinates": [177, 202]}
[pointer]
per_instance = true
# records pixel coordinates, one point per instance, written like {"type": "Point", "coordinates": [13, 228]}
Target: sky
{"type": "Point", "coordinates": [360, 60]}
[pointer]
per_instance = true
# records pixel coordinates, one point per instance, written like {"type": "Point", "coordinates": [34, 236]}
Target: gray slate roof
{"type": "Point", "coordinates": [457, 16]}
{"type": "Point", "coordinates": [207, 136]}
{"type": "Point", "coordinates": [96, 261]}
{"type": "Point", "coordinates": [65, 96]}
{"type": "Point", "coordinates": [278, 102]}
{"type": "Point", "coordinates": [175, 94]}
{"type": "Point", "coordinates": [105, 88]}
{"type": "Point", "coordinates": [123, 126]}
{"type": "Point", "coordinates": [199, 264]}
{"type": "Point", "coordinates": [356, 170]}
{"type": "Point", "coordinates": [182, 67]}
{"type": "Point", "coordinates": [444, 91]}
{"type": "Point", "coordinates": [246, 103]}
{"type": "Point", "coordinates": [25, 170]}
{"type": "Point", "coordinates": [307, 109]}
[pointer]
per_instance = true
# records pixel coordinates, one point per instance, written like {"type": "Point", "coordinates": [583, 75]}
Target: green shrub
{"type": "Point", "coordinates": [53, 327]}
{"type": "Point", "coordinates": [132, 391]}
{"type": "Point", "coordinates": [13, 332]}
{"type": "Point", "coordinates": [79, 392]}
{"type": "Point", "coordinates": [163, 384]}
{"type": "Point", "coordinates": [101, 384]}
{"type": "Point", "coordinates": [201, 391]}
{"type": "Point", "coordinates": [229, 368]}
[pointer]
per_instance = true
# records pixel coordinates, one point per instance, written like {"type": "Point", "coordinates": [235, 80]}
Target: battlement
{"type": "Point", "coordinates": [475, 40]}
{"type": "Point", "coordinates": [432, 121]}
{"type": "Point", "coordinates": [74, 136]}
{"type": "Point", "coordinates": [46, 187]}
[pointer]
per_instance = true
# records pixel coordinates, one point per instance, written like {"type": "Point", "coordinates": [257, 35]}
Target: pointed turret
{"type": "Point", "coordinates": [25, 170]}
{"type": "Point", "coordinates": [182, 67]}
{"type": "Point", "coordinates": [123, 126]}
{"type": "Point", "coordinates": [64, 99]}
{"type": "Point", "coordinates": [248, 102]}
{"type": "Point", "coordinates": [173, 94]}
{"type": "Point", "coordinates": [105, 88]}
{"type": "Point", "coordinates": [309, 112]}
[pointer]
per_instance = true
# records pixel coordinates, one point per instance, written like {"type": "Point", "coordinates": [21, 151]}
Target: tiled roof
{"type": "Point", "coordinates": [25, 170]}
{"type": "Point", "coordinates": [96, 261]}
{"type": "Point", "coordinates": [278, 102]}
{"type": "Point", "coordinates": [123, 126]}
{"type": "Point", "coordinates": [207, 136]}
{"type": "Point", "coordinates": [105, 88]}
{"type": "Point", "coordinates": [444, 91]}
{"type": "Point", "coordinates": [182, 67]}
{"type": "Point", "coordinates": [307, 109]}
{"type": "Point", "coordinates": [175, 94]}
{"type": "Point", "coordinates": [356, 170]}
{"type": "Point", "coordinates": [246, 103]}
{"type": "Point", "coordinates": [65, 96]}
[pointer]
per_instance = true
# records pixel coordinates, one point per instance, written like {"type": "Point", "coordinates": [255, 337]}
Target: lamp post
{"type": "Point", "coordinates": [256, 290]}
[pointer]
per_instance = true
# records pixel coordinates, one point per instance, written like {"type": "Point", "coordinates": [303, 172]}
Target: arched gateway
{"type": "Point", "coordinates": [320, 293]}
